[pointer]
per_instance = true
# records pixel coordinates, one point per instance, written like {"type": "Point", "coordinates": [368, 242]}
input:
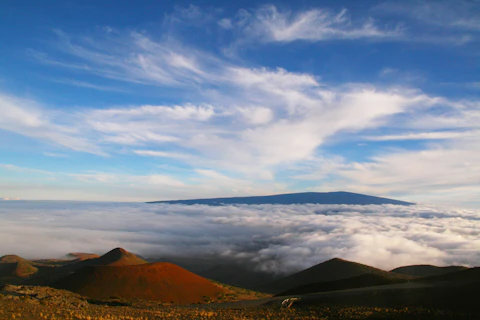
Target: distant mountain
{"type": "Point", "coordinates": [362, 281]}
{"type": "Point", "coordinates": [295, 198]}
{"type": "Point", "coordinates": [81, 256]}
{"type": "Point", "coordinates": [159, 281]}
{"type": "Point", "coordinates": [425, 270]}
{"type": "Point", "coordinates": [331, 270]}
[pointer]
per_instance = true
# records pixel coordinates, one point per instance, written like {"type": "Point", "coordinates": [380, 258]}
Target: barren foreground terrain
{"type": "Point", "coordinates": [30, 302]}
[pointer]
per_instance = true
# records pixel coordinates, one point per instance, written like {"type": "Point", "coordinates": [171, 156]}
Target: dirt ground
{"type": "Point", "coordinates": [25, 302]}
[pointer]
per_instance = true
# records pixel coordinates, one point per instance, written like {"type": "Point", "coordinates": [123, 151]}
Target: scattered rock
{"type": "Point", "coordinates": [44, 295]}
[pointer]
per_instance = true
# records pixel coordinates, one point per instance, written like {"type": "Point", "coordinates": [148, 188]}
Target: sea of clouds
{"type": "Point", "coordinates": [278, 238]}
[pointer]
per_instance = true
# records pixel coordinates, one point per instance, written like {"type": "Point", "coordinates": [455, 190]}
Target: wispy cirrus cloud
{"type": "Point", "coordinates": [29, 118]}
{"type": "Point", "coordinates": [13, 167]}
{"type": "Point", "coordinates": [461, 14]}
{"type": "Point", "coordinates": [437, 135]}
{"type": "Point", "coordinates": [56, 155]}
{"type": "Point", "coordinates": [440, 22]}
{"type": "Point", "coordinates": [136, 58]}
{"type": "Point", "coordinates": [161, 154]}
{"type": "Point", "coordinates": [88, 85]}
{"type": "Point", "coordinates": [116, 185]}
{"type": "Point", "coordinates": [271, 24]}
{"type": "Point", "coordinates": [247, 115]}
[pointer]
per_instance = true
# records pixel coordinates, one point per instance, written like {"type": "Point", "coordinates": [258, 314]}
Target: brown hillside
{"type": "Point", "coordinates": [427, 270]}
{"type": "Point", "coordinates": [10, 258]}
{"type": "Point", "coordinates": [15, 266]}
{"type": "Point", "coordinates": [331, 270]}
{"type": "Point", "coordinates": [164, 282]}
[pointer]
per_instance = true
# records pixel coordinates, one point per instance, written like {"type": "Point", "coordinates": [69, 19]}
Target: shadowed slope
{"type": "Point", "coordinates": [164, 282]}
{"type": "Point", "coordinates": [331, 270]}
{"type": "Point", "coordinates": [236, 275]}
{"type": "Point", "coordinates": [295, 198]}
{"type": "Point", "coordinates": [365, 280]}
{"type": "Point", "coordinates": [469, 275]}
{"type": "Point", "coordinates": [426, 270]}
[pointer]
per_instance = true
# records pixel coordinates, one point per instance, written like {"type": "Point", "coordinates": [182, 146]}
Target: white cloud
{"type": "Point", "coordinates": [288, 114]}
{"type": "Point", "coordinates": [270, 24]}
{"type": "Point", "coordinates": [225, 23]}
{"type": "Point", "coordinates": [83, 84]}
{"type": "Point", "coordinates": [132, 181]}
{"type": "Point", "coordinates": [165, 113]}
{"type": "Point", "coordinates": [459, 14]}
{"type": "Point", "coordinates": [94, 177]}
{"type": "Point", "coordinates": [12, 167]}
{"type": "Point", "coordinates": [161, 183]}
{"type": "Point", "coordinates": [28, 118]}
{"type": "Point", "coordinates": [161, 154]}
{"type": "Point", "coordinates": [160, 180]}
{"type": "Point", "coordinates": [132, 58]}
{"type": "Point", "coordinates": [256, 115]}
{"type": "Point", "coordinates": [56, 155]}
{"type": "Point", "coordinates": [439, 135]}
{"type": "Point", "coordinates": [273, 237]}
{"type": "Point", "coordinates": [444, 174]}
{"type": "Point", "coordinates": [420, 171]}
{"type": "Point", "coordinates": [247, 122]}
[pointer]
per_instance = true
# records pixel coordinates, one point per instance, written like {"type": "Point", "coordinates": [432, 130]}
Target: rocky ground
{"type": "Point", "coordinates": [29, 302]}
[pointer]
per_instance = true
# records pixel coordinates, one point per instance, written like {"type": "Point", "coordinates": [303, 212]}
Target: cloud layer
{"type": "Point", "coordinates": [276, 238]}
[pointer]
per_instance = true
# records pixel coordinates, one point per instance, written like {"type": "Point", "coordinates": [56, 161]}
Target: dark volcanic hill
{"type": "Point", "coordinates": [467, 275]}
{"type": "Point", "coordinates": [295, 198]}
{"type": "Point", "coordinates": [362, 281]}
{"type": "Point", "coordinates": [237, 275]}
{"type": "Point", "coordinates": [425, 270]}
{"type": "Point", "coordinates": [331, 270]}
{"type": "Point", "coordinates": [115, 257]}
{"type": "Point", "coordinates": [160, 281]}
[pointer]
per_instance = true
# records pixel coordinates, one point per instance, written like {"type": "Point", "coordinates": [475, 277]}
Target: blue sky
{"type": "Point", "coordinates": [149, 100]}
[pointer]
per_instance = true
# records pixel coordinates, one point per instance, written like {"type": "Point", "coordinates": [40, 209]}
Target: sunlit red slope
{"type": "Point", "coordinates": [164, 282]}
